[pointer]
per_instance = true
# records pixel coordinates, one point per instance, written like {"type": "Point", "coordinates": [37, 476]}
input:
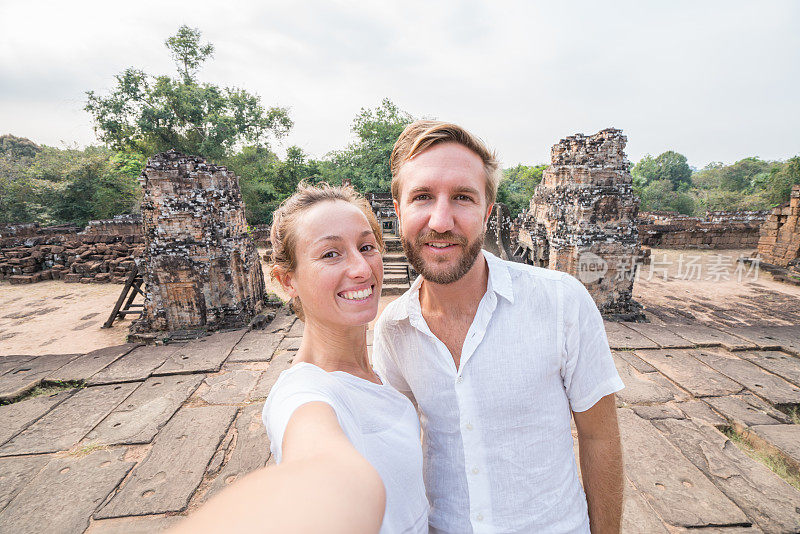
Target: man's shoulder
{"type": "Point", "coordinates": [522, 273]}
{"type": "Point", "coordinates": [395, 311]}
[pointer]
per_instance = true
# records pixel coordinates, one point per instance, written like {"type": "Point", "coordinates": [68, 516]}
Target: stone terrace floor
{"type": "Point", "coordinates": [154, 431]}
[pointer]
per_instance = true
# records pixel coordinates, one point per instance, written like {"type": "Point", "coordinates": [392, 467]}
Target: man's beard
{"type": "Point", "coordinates": [428, 270]}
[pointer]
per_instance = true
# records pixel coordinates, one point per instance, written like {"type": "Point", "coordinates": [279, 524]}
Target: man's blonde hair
{"type": "Point", "coordinates": [423, 134]}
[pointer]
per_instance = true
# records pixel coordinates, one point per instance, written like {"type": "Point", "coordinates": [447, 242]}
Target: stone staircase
{"type": "Point", "coordinates": [396, 270]}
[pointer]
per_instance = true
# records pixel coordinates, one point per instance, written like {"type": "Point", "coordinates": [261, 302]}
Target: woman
{"type": "Point", "coordinates": [347, 445]}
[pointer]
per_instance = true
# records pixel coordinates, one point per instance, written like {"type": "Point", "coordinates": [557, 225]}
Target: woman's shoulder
{"type": "Point", "coordinates": [303, 377]}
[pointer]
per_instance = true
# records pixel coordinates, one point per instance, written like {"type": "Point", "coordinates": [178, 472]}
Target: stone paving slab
{"type": "Point", "coordinates": [283, 321]}
{"type": "Point", "coordinates": [297, 329]}
{"type": "Point", "coordinates": [66, 424]}
{"type": "Point", "coordinates": [134, 525]}
{"type": "Point", "coordinates": [768, 501]}
{"type": "Point", "coordinates": [7, 363]}
{"type": "Point", "coordinates": [231, 387]}
{"type": "Point", "coordinates": [779, 363]}
{"type": "Point", "coordinates": [280, 362]}
{"type": "Point", "coordinates": [62, 497]}
{"type": "Point", "coordinates": [91, 363]}
{"type": "Point", "coordinates": [637, 363]}
{"type": "Point", "coordinates": [204, 355]}
{"type": "Point", "coordinates": [706, 336]}
{"type": "Point", "coordinates": [256, 346]}
{"type": "Point", "coordinates": [641, 388]}
{"type": "Point", "coordinates": [290, 343]}
{"type": "Point", "coordinates": [774, 389]}
{"type": "Point", "coordinates": [166, 479]}
{"type": "Point", "coordinates": [26, 376]}
{"type": "Point", "coordinates": [18, 416]}
{"type": "Point", "coordinates": [145, 411]}
{"type": "Point", "coordinates": [251, 449]}
{"type": "Point", "coordinates": [622, 337]}
{"type": "Point", "coordinates": [746, 410]}
{"type": "Point", "coordinates": [773, 337]}
{"type": "Point", "coordinates": [137, 365]}
{"type": "Point", "coordinates": [680, 493]}
{"type": "Point", "coordinates": [699, 411]}
{"type": "Point", "coordinates": [665, 339]}
{"type": "Point", "coordinates": [785, 438]}
{"type": "Point", "coordinates": [15, 473]}
{"type": "Point", "coordinates": [659, 411]}
{"type": "Point", "coordinates": [637, 516]}
{"type": "Point", "coordinates": [681, 367]}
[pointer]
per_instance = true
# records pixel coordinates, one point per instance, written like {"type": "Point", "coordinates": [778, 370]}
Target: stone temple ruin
{"type": "Point", "coordinates": [779, 243]}
{"type": "Point", "coordinates": [582, 220]}
{"type": "Point", "coordinates": [201, 269]}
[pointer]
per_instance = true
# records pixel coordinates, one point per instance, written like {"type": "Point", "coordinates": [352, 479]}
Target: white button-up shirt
{"type": "Point", "coordinates": [497, 444]}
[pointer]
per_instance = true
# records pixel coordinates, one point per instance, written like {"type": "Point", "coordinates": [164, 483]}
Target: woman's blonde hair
{"type": "Point", "coordinates": [284, 222]}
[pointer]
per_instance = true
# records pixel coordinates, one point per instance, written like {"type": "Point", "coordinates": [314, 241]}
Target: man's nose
{"type": "Point", "coordinates": [441, 219]}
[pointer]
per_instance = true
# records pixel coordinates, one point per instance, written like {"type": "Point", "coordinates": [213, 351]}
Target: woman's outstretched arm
{"type": "Point", "coordinates": [322, 485]}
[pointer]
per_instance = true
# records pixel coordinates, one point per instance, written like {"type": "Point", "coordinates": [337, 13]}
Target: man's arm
{"type": "Point", "coordinates": [601, 464]}
{"type": "Point", "coordinates": [322, 485]}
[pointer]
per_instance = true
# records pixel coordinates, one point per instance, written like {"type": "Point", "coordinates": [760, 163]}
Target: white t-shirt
{"type": "Point", "coordinates": [496, 431]}
{"type": "Point", "coordinates": [380, 422]}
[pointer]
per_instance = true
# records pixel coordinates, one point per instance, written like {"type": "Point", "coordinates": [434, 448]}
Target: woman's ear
{"type": "Point", "coordinates": [285, 279]}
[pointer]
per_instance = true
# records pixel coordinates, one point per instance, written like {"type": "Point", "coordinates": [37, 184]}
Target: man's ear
{"type": "Point", "coordinates": [285, 279]}
{"type": "Point", "coordinates": [487, 215]}
{"type": "Point", "coordinates": [397, 211]}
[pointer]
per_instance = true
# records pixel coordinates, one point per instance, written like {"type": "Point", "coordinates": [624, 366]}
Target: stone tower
{"type": "Point", "coordinates": [582, 220]}
{"type": "Point", "coordinates": [201, 269]}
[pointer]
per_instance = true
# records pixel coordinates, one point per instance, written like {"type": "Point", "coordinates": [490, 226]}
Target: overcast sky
{"type": "Point", "coordinates": [716, 81]}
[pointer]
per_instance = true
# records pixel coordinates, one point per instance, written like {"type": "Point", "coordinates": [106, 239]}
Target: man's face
{"type": "Point", "coordinates": [443, 211]}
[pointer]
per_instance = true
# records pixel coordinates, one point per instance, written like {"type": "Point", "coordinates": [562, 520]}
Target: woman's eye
{"type": "Point", "coordinates": [331, 254]}
{"type": "Point", "coordinates": [367, 248]}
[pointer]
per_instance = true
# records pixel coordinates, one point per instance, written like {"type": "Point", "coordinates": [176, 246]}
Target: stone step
{"type": "Point", "coordinates": [387, 280]}
{"type": "Point", "coordinates": [394, 289]}
{"type": "Point", "coordinates": [394, 257]}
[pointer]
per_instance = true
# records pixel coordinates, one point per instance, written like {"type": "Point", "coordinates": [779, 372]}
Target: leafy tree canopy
{"type": "Point", "coordinates": [517, 186]}
{"type": "Point", "coordinates": [669, 165]}
{"type": "Point", "coordinates": [17, 147]}
{"type": "Point", "coordinates": [366, 161]}
{"type": "Point", "coordinates": [150, 114]}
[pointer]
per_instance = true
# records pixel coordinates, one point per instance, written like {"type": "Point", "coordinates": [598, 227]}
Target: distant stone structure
{"type": "Point", "coordinates": [582, 220]}
{"type": "Point", "coordinates": [779, 243]}
{"type": "Point", "coordinates": [384, 211]}
{"type": "Point", "coordinates": [717, 230]}
{"type": "Point", "coordinates": [499, 231]}
{"type": "Point", "coordinates": [201, 269]}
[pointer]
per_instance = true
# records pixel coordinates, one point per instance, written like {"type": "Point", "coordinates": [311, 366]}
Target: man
{"type": "Point", "coordinates": [497, 356]}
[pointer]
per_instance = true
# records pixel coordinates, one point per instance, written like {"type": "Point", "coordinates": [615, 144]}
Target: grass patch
{"type": "Point", "coordinates": [87, 449]}
{"type": "Point", "coordinates": [794, 414]}
{"type": "Point", "coordinates": [775, 462]}
{"type": "Point", "coordinates": [47, 388]}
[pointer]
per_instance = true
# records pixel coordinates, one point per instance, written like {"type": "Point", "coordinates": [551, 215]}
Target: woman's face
{"type": "Point", "coordinates": [339, 268]}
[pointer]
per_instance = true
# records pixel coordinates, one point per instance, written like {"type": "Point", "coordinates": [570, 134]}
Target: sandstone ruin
{"type": "Point", "coordinates": [582, 220]}
{"type": "Point", "coordinates": [201, 269]}
{"type": "Point", "coordinates": [779, 243]}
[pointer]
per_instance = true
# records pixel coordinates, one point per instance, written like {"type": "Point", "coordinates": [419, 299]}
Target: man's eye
{"type": "Point", "coordinates": [423, 196]}
{"type": "Point", "coordinates": [464, 197]}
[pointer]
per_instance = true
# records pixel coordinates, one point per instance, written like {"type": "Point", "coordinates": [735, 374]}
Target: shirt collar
{"type": "Point", "coordinates": [499, 282]}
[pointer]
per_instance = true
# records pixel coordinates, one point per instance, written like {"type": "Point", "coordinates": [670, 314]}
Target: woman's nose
{"type": "Point", "coordinates": [358, 267]}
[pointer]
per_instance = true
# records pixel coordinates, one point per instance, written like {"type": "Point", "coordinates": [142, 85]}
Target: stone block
{"type": "Point", "coordinates": [204, 355]}
{"type": "Point", "coordinates": [785, 438]}
{"type": "Point", "coordinates": [682, 368]}
{"type": "Point", "coordinates": [138, 364]}
{"type": "Point", "coordinates": [772, 388]}
{"type": "Point", "coordinates": [63, 496]}
{"type": "Point", "coordinates": [25, 376]}
{"type": "Point", "coordinates": [662, 336]}
{"type": "Point", "coordinates": [641, 388]}
{"type": "Point", "coordinates": [231, 387]}
{"type": "Point", "coordinates": [622, 337]}
{"type": "Point", "coordinates": [779, 363]}
{"type": "Point", "coordinates": [280, 362]}
{"type": "Point", "coordinates": [256, 346]}
{"type": "Point", "coordinates": [706, 336]}
{"type": "Point", "coordinates": [746, 410]}
{"type": "Point", "coordinates": [18, 416]}
{"type": "Point", "coordinates": [679, 492]}
{"type": "Point", "coordinates": [135, 525]}
{"type": "Point", "coordinates": [166, 479]}
{"type": "Point", "coordinates": [67, 423]}
{"type": "Point", "coordinates": [89, 364]}
{"type": "Point", "coordinates": [139, 418]}
{"type": "Point", "coordinates": [16, 473]}
{"type": "Point", "coordinates": [769, 502]}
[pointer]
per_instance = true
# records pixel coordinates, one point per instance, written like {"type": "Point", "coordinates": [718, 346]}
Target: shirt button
{"type": "Point", "coordinates": [479, 517]}
{"type": "Point", "coordinates": [459, 380]}
{"type": "Point", "coordinates": [468, 426]}
{"type": "Point", "coordinates": [475, 470]}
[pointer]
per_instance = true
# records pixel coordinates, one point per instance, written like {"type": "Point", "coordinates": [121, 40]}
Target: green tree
{"type": "Point", "coordinates": [517, 186]}
{"type": "Point", "coordinates": [18, 147]}
{"type": "Point", "coordinates": [366, 161]}
{"type": "Point", "coordinates": [149, 114]}
{"type": "Point", "coordinates": [781, 178]}
{"type": "Point", "coordinates": [668, 165]}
